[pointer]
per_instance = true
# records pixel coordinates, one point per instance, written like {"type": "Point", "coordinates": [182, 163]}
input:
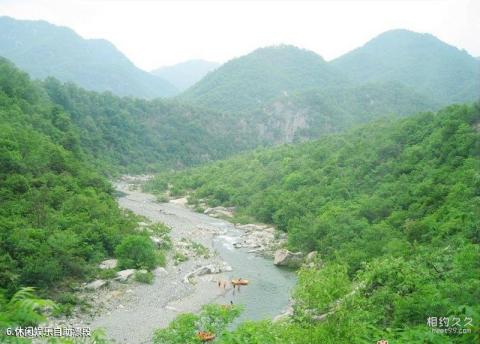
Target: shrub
{"type": "Point", "coordinates": [179, 257]}
{"type": "Point", "coordinates": [136, 252]}
{"type": "Point", "coordinates": [161, 259]}
{"type": "Point", "coordinates": [144, 277]}
{"type": "Point", "coordinates": [107, 273]}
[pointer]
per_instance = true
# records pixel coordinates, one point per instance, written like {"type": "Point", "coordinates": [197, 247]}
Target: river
{"type": "Point", "coordinates": [133, 316]}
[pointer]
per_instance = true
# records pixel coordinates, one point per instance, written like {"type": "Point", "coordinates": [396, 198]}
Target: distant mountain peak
{"type": "Point", "coordinates": [184, 74]}
{"type": "Point", "coordinates": [418, 60]}
{"type": "Point", "coordinates": [43, 49]}
{"type": "Point", "coordinates": [250, 81]}
{"type": "Point", "coordinates": [284, 50]}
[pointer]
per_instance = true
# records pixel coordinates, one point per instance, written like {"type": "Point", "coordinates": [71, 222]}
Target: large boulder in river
{"type": "Point", "coordinates": [284, 257]}
{"type": "Point", "coordinates": [207, 270]}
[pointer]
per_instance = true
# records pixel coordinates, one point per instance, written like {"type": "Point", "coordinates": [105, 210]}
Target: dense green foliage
{"type": "Point", "coordinates": [393, 210]}
{"type": "Point", "coordinates": [45, 50]}
{"type": "Point", "coordinates": [22, 308]}
{"type": "Point", "coordinates": [250, 81]}
{"type": "Point", "coordinates": [146, 277]}
{"type": "Point", "coordinates": [136, 252]}
{"type": "Point", "coordinates": [126, 134]}
{"type": "Point", "coordinates": [421, 61]}
{"type": "Point", "coordinates": [57, 215]}
{"type": "Point", "coordinates": [184, 329]}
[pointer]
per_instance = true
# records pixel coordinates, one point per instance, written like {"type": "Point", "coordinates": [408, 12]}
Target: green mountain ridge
{"type": "Point", "coordinates": [251, 81]}
{"type": "Point", "coordinates": [438, 71]}
{"type": "Point", "coordinates": [43, 49]}
{"type": "Point", "coordinates": [421, 61]}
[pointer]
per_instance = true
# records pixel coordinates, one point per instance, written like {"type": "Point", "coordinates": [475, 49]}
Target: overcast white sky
{"type": "Point", "coordinates": [156, 33]}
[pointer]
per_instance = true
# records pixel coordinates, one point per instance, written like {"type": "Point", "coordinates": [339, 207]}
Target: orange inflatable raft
{"type": "Point", "coordinates": [239, 282]}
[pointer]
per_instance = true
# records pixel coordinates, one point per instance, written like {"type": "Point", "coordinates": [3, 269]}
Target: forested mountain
{"type": "Point", "coordinates": [277, 94]}
{"type": "Point", "coordinates": [42, 50]}
{"type": "Point", "coordinates": [54, 207]}
{"type": "Point", "coordinates": [391, 208]}
{"type": "Point", "coordinates": [185, 74]}
{"type": "Point", "coordinates": [420, 61]}
{"type": "Point", "coordinates": [135, 135]}
{"type": "Point", "coordinates": [251, 81]}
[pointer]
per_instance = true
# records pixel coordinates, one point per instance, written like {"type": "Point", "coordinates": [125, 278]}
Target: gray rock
{"type": "Point", "coordinates": [207, 269]}
{"type": "Point", "coordinates": [310, 258]}
{"type": "Point", "coordinates": [124, 275]}
{"type": "Point", "coordinates": [217, 211]}
{"type": "Point", "coordinates": [284, 257]}
{"type": "Point", "coordinates": [226, 268]}
{"type": "Point", "coordinates": [157, 241]}
{"type": "Point", "coordinates": [108, 264]}
{"type": "Point", "coordinates": [284, 316]}
{"type": "Point", "coordinates": [95, 285]}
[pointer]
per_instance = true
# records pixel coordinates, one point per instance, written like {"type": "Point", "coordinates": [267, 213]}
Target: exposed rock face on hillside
{"type": "Point", "coordinates": [283, 121]}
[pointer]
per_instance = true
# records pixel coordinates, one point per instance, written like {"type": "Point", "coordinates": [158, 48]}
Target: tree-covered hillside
{"type": "Point", "coordinates": [135, 135]}
{"type": "Point", "coordinates": [250, 81]}
{"type": "Point", "coordinates": [311, 114]}
{"type": "Point", "coordinates": [393, 210]}
{"type": "Point", "coordinates": [57, 214]}
{"type": "Point", "coordinates": [420, 61]}
{"type": "Point", "coordinates": [43, 50]}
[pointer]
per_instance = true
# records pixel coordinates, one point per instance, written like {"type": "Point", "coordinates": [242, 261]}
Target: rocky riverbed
{"type": "Point", "coordinates": [129, 311]}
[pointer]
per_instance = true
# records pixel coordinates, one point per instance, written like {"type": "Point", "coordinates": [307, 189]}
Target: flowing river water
{"type": "Point", "coordinates": [133, 317]}
{"type": "Point", "coordinates": [268, 292]}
